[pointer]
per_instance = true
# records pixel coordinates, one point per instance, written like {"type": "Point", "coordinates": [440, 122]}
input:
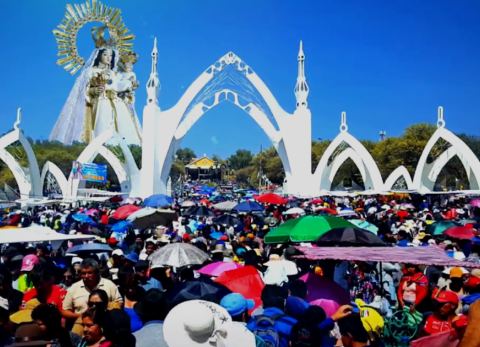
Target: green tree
{"type": "Point", "coordinates": [241, 159]}
{"type": "Point", "coordinates": [185, 155]}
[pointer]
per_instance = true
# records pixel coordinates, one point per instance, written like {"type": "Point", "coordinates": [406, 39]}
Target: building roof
{"type": "Point", "coordinates": [202, 163]}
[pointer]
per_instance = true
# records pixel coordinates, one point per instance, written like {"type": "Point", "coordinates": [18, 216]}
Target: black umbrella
{"type": "Point", "coordinates": [149, 217]}
{"type": "Point", "coordinates": [226, 219]}
{"type": "Point", "coordinates": [199, 211]}
{"type": "Point", "coordinates": [202, 288]}
{"type": "Point", "coordinates": [350, 237]}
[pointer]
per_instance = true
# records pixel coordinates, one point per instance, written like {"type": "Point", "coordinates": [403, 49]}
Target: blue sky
{"type": "Point", "coordinates": [387, 63]}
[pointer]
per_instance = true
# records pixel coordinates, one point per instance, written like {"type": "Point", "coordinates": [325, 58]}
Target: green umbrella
{"type": "Point", "coordinates": [363, 224]}
{"type": "Point", "coordinates": [438, 228]}
{"type": "Point", "coordinates": [305, 229]}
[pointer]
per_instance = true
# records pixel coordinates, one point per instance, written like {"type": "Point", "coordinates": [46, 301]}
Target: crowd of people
{"type": "Point", "coordinates": [121, 297]}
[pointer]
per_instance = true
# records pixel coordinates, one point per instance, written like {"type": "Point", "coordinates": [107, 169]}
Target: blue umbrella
{"type": "Point", "coordinates": [158, 200]}
{"type": "Point", "coordinates": [121, 227]}
{"type": "Point", "coordinates": [216, 235]}
{"type": "Point", "coordinates": [83, 218]}
{"type": "Point", "coordinates": [248, 206]}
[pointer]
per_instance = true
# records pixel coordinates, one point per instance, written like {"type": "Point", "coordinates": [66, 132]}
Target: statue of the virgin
{"type": "Point", "coordinates": [103, 95]}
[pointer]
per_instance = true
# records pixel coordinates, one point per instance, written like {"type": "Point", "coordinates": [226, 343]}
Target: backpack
{"type": "Point", "coordinates": [265, 330]}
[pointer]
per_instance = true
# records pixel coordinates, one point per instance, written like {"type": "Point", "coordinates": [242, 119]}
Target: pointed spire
{"type": "Point", "coordinates": [343, 122]}
{"type": "Point", "coordinates": [440, 119]}
{"type": "Point", "coordinates": [301, 87]}
{"type": "Point", "coordinates": [153, 83]}
{"type": "Point", "coordinates": [16, 125]}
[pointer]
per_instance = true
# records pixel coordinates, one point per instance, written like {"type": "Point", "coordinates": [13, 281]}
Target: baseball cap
{"type": "Point", "coordinates": [118, 252]}
{"type": "Point", "coordinates": [474, 279]}
{"type": "Point", "coordinates": [456, 272]}
{"type": "Point", "coordinates": [29, 262]}
{"type": "Point", "coordinates": [445, 296]}
{"type": "Point", "coordinates": [236, 304]}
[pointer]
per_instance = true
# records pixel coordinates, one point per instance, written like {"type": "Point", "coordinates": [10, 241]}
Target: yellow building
{"type": "Point", "coordinates": [203, 168]}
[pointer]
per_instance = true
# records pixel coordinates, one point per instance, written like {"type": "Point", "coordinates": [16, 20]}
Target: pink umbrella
{"type": "Point", "coordinates": [329, 306]}
{"type": "Point", "coordinates": [217, 268]}
{"type": "Point", "coordinates": [475, 203]}
{"type": "Point", "coordinates": [92, 212]}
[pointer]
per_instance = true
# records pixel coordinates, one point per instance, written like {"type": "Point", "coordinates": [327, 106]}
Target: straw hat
{"type": "Point", "coordinates": [25, 315]}
{"type": "Point", "coordinates": [196, 323]}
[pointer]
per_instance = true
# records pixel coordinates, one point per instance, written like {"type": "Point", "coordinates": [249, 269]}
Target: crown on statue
{"type": "Point", "coordinates": [128, 57]}
{"type": "Point", "coordinates": [98, 35]}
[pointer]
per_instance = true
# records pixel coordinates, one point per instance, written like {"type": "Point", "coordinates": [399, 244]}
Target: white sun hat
{"type": "Point", "coordinates": [196, 323]}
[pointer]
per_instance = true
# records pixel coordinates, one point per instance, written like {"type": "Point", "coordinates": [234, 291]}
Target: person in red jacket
{"type": "Point", "coordinates": [413, 287]}
{"type": "Point", "coordinates": [442, 318]}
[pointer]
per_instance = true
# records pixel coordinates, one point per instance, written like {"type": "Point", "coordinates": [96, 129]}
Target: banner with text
{"type": "Point", "coordinates": [90, 172]}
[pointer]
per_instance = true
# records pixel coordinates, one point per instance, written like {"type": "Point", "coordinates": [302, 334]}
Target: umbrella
{"type": "Point", "coordinates": [83, 218]}
{"type": "Point", "coordinates": [217, 268]}
{"type": "Point", "coordinates": [90, 248]}
{"type": "Point", "coordinates": [329, 306]}
{"type": "Point", "coordinates": [271, 198]}
{"type": "Point", "coordinates": [124, 211]}
{"type": "Point", "coordinates": [363, 224]}
{"type": "Point", "coordinates": [350, 236]}
{"type": "Point", "coordinates": [244, 280]}
{"type": "Point", "coordinates": [35, 233]}
{"type": "Point", "coordinates": [177, 255]}
{"type": "Point", "coordinates": [116, 198]}
{"type": "Point", "coordinates": [200, 211]}
{"type": "Point", "coordinates": [460, 232]}
{"type": "Point", "coordinates": [347, 213]}
{"type": "Point", "coordinates": [305, 229]}
{"type": "Point", "coordinates": [216, 235]}
{"type": "Point", "coordinates": [438, 228]}
{"type": "Point", "coordinates": [188, 203]}
{"type": "Point", "coordinates": [316, 201]}
{"type": "Point", "coordinates": [202, 288]}
{"type": "Point", "coordinates": [475, 203]}
{"type": "Point", "coordinates": [295, 210]}
{"type": "Point", "coordinates": [92, 212]}
{"type": "Point", "coordinates": [225, 205]}
{"type": "Point", "coordinates": [226, 219]}
{"type": "Point", "coordinates": [158, 200]}
{"type": "Point", "coordinates": [248, 206]}
{"type": "Point", "coordinates": [322, 288]}
{"type": "Point", "coordinates": [149, 217]}
{"type": "Point", "coordinates": [121, 227]}
{"type": "Point", "coordinates": [326, 210]}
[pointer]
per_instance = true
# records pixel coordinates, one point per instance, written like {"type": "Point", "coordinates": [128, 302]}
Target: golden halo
{"type": "Point", "coordinates": [76, 17]}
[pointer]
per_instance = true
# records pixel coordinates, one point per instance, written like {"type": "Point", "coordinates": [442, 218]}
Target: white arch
{"type": "Point", "coordinates": [28, 182]}
{"type": "Point", "coordinates": [290, 134]}
{"type": "Point", "coordinates": [57, 173]}
{"type": "Point", "coordinates": [372, 178]}
{"type": "Point", "coordinates": [395, 175]}
{"type": "Point", "coordinates": [340, 159]}
{"type": "Point", "coordinates": [426, 174]}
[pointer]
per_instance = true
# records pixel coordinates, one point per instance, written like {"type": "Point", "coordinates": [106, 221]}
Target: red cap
{"type": "Point", "coordinates": [224, 238]}
{"type": "Point", "coordinates": [445, 296]}
{"type": "Point", "coordinates": [186, 237]}
{"type": "Point", "coordinates": [472, 282]}
{"type": "Point", "coordinates": [111, 241]}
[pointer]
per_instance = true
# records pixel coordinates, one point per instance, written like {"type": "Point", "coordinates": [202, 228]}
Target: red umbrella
{"type": "Point", "coordinates": [271, 198]}
{"type": "Point", "coordinates": [125, 211]}
{"type": "Point", "coordinates": [402, 214]}
{"type": "Point", "coordinates": [461, 232]}
{"type": "Point", "coordinates": [316, 201]}
{"type": "Point", "coordinates": [245, 281]}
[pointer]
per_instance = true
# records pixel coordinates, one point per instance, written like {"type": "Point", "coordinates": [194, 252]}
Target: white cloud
{"type": "Point", "coordinates": [214, 140]}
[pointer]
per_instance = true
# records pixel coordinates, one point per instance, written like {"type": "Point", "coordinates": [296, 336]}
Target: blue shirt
{"type": "Point", "coordinates": [151, 335]}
